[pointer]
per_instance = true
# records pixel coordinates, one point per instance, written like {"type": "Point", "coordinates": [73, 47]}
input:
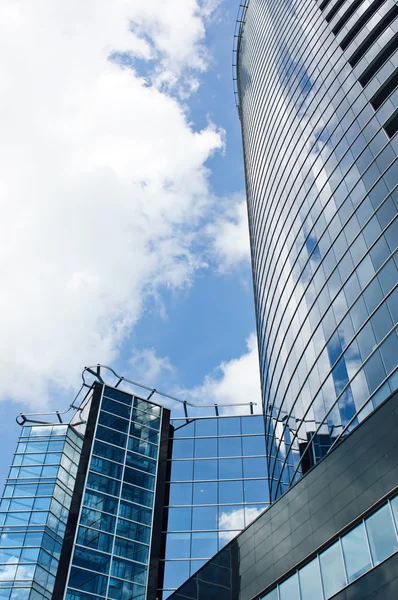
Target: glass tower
{"type": "Point", "coordinates": [318, 98]}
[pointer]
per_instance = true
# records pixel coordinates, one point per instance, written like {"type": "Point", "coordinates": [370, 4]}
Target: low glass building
{"type": "Point", "coordinates": [120, 503]}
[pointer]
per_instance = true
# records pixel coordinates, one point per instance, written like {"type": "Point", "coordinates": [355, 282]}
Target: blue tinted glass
{"type": "Point", "coordinates": [179, 519]}
{"type": "Point", "coordinates": [253, 424]}
{"type": "Point", "coordinates": [175, 573]}
{"type": "Point", "coordinates": [183, 429]}
{"type": "Point", "coordinates": [103, 484]}
{"type": "Point", "coordinates": [253, 445]}
{"type": "Point", "coordinates": [133, 531]}
{"type": "Point", "coordinates": [121, 590]}
{"type": "Point", "coordinates": [183, 448]}
{"type": "Point", "coordinates": [140, 462]}
{"type": "Point", "coordinates": [135, 494]}
{"type": "Point", "coordinates": [356, 553]}
{"type": "Point", "coordinates": [89, 559]}
{"type": "Point", "coordinates": [106, 467]}
{"type": "Point", "coordinates": [117, 423]}
{"type": "Point", "coordinates": [180, 493]}
{"type": "Point", "coordinates": [142, 447]}
{"type": "Point", "coordinates": [107, 451]}
{"type": "Point", "coordinates": [181, 470]}
{"type": "Point", "coordinates": [116, 408]}
{"type": "Point", "coordinates": [204, 544]}
{"type": "Point", "coordinates": [230, 468]}
{"type": "Point", "coordinates": [100, 502]}
{"type": "Point", "coordinates": [205, 448]}
{"type": "Point", "coordinates": [381, 534]}
{"type": "Point", "coordinates": [85, 580]}
{"type": "Point", "coordinates": [230, 446]}
{"type": "Point", "coordinates": [129, 570]}
{"type": "Point", "coordinates": [135, 513]}
{"type": "Point", "coordinates": [98, 520]}
{"type": "Point", "coordinates": [178, 545]}
{"type": "Point", "coordinates": [206, 427]}
{"type": "Point", "coordinates": [144, 433]}
{"type": "Point", "coordinates": [94, 539]}
{"type": "Point", "coordinates": [256, 490]}
{"type": "Point", "coordinates": [205, 493]}
{"type": "Point", "coordinates": [229, 426]}
{"type": "Point", "coordinates": [204, 517]}
{"type": "Point", "coordinates": [129, 549]}
{"type": "Point", "coordinates": [135, 477]}
{"type": "Point", "coordinates": [205, 469]}
{"type": "Point", "coordinates": [254, 467]}
{"type": "Point", "coordinates": [113, 437]}
{"type": "Point", "coordinates": [230, 492]}
{"type": "Point", "coordinates": [118, 395]}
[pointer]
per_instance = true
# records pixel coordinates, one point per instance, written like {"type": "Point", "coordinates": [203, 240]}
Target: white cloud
{"type": "Point", "coordinates": [233, 382]}
{"type": "Point", "coordinates": [229, 234]}
{"type": "Point", "coordinates": [150, 369]}
{"type": "Point", "coordinates": [103, 179]}
{"type": "Point", "coordinates": [233, 520]}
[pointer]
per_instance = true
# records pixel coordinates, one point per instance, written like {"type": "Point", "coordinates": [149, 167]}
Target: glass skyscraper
{"type": "Point", "coordinates": [317, 88]}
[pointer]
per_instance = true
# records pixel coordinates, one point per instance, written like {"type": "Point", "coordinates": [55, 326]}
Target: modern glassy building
{"type": "Point", "coordinates": [119, 503]}
{"type": "Point", "coordinates": [318, 103]}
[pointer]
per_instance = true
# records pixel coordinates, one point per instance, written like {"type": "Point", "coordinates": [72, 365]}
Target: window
{"type": "Point", "coordinates": [356, 553]}
{"type": "Point", "coordinates": [310, 581]}
{"type": "Point", "coordinates": [332, 570]}
{"type": "Point", "coordinates": [381, 534]}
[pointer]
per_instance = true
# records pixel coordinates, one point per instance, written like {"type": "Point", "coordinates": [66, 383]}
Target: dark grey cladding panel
{"type": "Point", "coordinates": [379, 584]}
{"type": "Point", "coordinates": [348, 482]}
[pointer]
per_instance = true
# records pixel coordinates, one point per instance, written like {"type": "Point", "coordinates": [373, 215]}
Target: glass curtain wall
{"type": "Point", "coordinates": [318, 106]}
{"type": "Point", "coordinates": [218, 485]}
{"type": "Point", "coordinates": [34, 510]}
{"type": "Point", "coordinates": [112, 544]}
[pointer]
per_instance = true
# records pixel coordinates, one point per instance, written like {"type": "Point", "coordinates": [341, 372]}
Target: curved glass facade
{"type": "Point", "coordinates": [318, 105]}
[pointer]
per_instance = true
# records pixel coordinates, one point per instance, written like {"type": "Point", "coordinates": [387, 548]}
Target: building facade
{"type": "Point", "coordinates": [332, 535]}
{"type": "Point", "coordinates": [318, 102]}
{"type": "Point", "coordinates": [121, 503]}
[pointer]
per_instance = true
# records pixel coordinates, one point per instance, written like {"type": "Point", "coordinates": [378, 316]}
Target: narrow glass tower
{"type": "Point", "coordinates": [318, 102]}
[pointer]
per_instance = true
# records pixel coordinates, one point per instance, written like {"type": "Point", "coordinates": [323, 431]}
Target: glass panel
{"type": "Point", "coordinates": [135, 513]}
{"type": "Point", "coordinates": [253, 424]}
{"type": "Point", "coordinates": [272, 595]}
{"type": "Point", "coordinates": [310, 581]}
{"type": "Point", "coordinates": [131, 550]}
{"type": "Point", "coordinates": [381, 534]}
{"type": "Point", "coordinates": [230, 446]}
{"type": "Point", "coordinates": [179, 519]}
{"type": "Point", "coordinates": [181, 470]}
{"type": "Point", "coordinates": [230, 468]}
{"type": "Point", "coordinates": [205, 469]}
{"type": "Point", "coordinates": [206, 427]}
{"type": "Point", "coordinates": [204, 544]}
{"type": "Point", "coordinates": [89, 559]}
{"type": "Point", "coordinates": [175, 573]}
{"type": "Point", "coordinates": [133, 531]}
{"type": "Point", "coordinates": [229, 426]}
{"type": "Point", "coordinates": [129, 570]}
{"type": "Point", "coordinates": [256, 491]}
{"type": "Point", "coordinates": [332, 568]}
{"type": "Point", "coordinates": [121, 590]}
{"type": "Point", "coordinates": [289, 589]}
{"type": "Point", "coordinates": [230, 492]}
{"type": "Point", "coordinates": [116, 408]}
{"type": "Point", "coordinates": [94, 539]}
{"type": "Point", "coordinates": [85, 580]}
{"type": "Point", "coordinates": [204, 517]}
{"type": "Point", "coordinates": [205, 448]}
{"type": "Point", "coordinates": [178, 545]}
{"type": "Point", "coordinates": [205, 493]}
{"type": "Point", "coordinates": [356, 553]}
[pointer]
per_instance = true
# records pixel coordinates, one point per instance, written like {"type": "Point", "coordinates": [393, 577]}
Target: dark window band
{"type": "Point", "coordinates": [379, 61]}
{"type": "Point", "coordinates": [391, 126]}
{"type": "Point", "coordinates": [368, 14]}
{"type": "Point", "coordinates": [373, 35]}
{"type": "Point", "coordinates": [385, 90]}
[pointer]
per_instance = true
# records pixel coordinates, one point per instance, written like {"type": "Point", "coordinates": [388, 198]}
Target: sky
{"type": "Point", "coordinates": [124, 226]}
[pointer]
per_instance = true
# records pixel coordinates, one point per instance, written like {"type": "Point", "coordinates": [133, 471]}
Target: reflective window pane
{"type": "Point", "coordinates": [289, 590]}
{"type": "Point", "coordinates": [204, 544]}
{"type": "Point", "coordinates": [381, 534]}
{"type": "Point", "coordinates": [310, 581]}
{"type": "Point", "coordinates": [332, 569]}
{"type": "Point", "coordinates": [356, 553]}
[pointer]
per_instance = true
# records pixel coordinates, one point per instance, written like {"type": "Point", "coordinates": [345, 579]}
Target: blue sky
{"type": "Point", "coordinates": [179, 315]}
